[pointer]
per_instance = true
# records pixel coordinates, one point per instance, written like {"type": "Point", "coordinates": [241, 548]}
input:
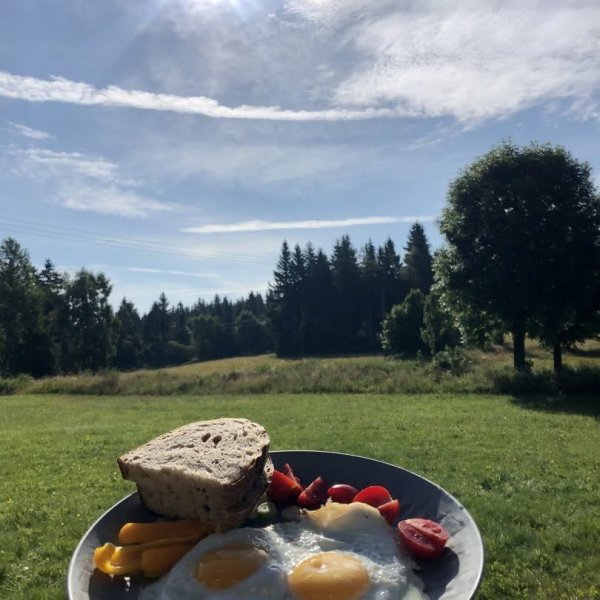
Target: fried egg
{"type": "Point", "coordinates": [338, 552]}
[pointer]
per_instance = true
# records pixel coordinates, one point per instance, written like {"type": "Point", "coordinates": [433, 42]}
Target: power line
{"type": "Point", "coordinates": [70, 234]}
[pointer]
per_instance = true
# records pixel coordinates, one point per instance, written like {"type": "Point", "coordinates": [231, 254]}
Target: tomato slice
{"type": "Point", "coordinates": [375, 495]}
{"type": "Point", "coordinates": [342, 493]}
{"type": "Point", "coordinates": [390, 510]}
{"type": "Point", "coordinates": [434, 532]}
{"type": "Point", "coordinates": [282, 488]}
{"type": "Point", "coordinates": [314, 494]}
{"type": "Point", "coordinates": [424, 541]}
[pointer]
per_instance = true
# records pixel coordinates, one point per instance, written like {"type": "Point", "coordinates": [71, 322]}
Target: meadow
{"type": "Point", "coordinates": [527, 468]}
{"type": "Point", "coordinates": [460, 371]}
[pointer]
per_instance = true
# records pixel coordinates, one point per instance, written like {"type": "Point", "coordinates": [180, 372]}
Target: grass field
{"type": "Point", "coordinates": [527, 470]}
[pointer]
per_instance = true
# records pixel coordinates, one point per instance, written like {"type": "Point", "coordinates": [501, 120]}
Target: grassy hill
{"type": "Point", "coordinates": [472, 371]}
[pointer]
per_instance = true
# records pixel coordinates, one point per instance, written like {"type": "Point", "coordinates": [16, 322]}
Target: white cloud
{"type": "Point", "coordinates": [29, 132]}
{"type": "Point", "coordinates": [85, 183]}
{"type": "Point", "coordinates": [475, 60]}
{"type": "Point", "coordinates": [357, 59]}
{"type": "Point", "coordinates": [59, 89]}
{"type": "Point", "coordinates": [169, 272]}
{"type": "Point", "coordinates": [42, 163]}
{"type": "Point", "coordinates": [108, 200]}
{"type": "Point", "coordinates": [309, 224]}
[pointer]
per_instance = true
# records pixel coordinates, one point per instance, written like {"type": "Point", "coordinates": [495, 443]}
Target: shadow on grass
{"type": "Point", "coordinates": [584, 352]}
{"type": "Point", "coordinates": [588, 406]}
{"type": "Point", "coordinates": [574, 390]}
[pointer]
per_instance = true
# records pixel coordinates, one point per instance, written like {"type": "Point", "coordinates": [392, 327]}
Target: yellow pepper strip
{"type": "Point", "coordinates": [128, 560]}
{"type": "Point", "coordinates": [141, 533]}
{"type": "Point", "coordinates": [102, 556]}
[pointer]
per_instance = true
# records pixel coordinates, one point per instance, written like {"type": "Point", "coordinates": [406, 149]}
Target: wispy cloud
{"type": "Point", "coordinates": [346, 60]}
{"type": "Point", "coordinates": [59, 89]}
{"type": "Point", "coordinates": [85, 182]}
{"type": "Point", "coordinates": [310, 224]}
{"type": "Point", "coordinates": [29, 132]}
{"type": "Point", "coordinates": [471, 60]}
{"type": "Point", "coordinates": [169, 272]}
{"type": "Point", "coordinates": [109, 200]}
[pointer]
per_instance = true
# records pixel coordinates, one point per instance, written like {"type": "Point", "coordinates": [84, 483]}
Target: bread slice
{"type": "Point", "coordinates": [215, 471]}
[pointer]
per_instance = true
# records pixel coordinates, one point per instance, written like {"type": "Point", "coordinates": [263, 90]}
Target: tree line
{"type": "Point", "coordinates": [521, 256]}
{"type": "Point", "coordinates": [53, 323]}
{"type": "Point", "coordinates": [323, 305]}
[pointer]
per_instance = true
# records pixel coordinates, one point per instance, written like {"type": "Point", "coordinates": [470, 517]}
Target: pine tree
{"type": "Point", "coordinates": [418, 270]}
{"type": "Point", "coordinates": [319, 307]}
{"type": "Point", "coordinates": [281, 305]}
{"type": "Point", "coordinates": [27, 345]}
{"type": "Point", "coordinates": [129, 344]}
{"type": "Point", "coordinates": [156, 327]}
{"type": "Point", "coordinates": [392, 290]}
{"type": "Point", "coordinates": [369, 271]}
{"type": "Point", "coordinates": [347, 284]}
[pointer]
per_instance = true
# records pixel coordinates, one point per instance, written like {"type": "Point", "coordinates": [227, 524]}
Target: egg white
{"type": "Point", "coordinates": [267, 583]}
{"type": "Point", "coordinates": [356, 531]}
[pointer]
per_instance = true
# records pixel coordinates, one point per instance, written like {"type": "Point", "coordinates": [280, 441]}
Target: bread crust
{"type": "Point", "coordinates": [215, 471]}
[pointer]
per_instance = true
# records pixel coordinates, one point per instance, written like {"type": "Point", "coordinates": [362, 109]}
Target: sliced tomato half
{"type": "Point", "coordinates": [390, 510]}
{"type": "Point", "coordinates": [287, 470]}
{"type": "Point", "coordinates": [282, 488]}
{"type": "Point", "coordinates": [375, 495]}
{"type": "Point", "coordinates": [421, 543]}
{"type": "Point", "coordinates": [342, 493]}
{"type": "Point", "coordinates": [314, 494]}
{"type": "Point", "coordinates": [436, 533]}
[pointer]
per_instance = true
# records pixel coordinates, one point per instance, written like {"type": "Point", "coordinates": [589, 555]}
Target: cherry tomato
{"type": "Point", "coordinates": [287, 471]}
{"type": "Point", "coordinates": [342, 492]}
{"type": "Point", "coordinates": [420, 544]}
{"type": "Point", "coordinates": [314, 494]}
{"type": "Point", "coordinates": [390, 510]}
{"type": "Point", "coordinates": [436, 533]}
{"type": "Point", "coordinates": [375, 495]}
{"type": "Point", "coordinates": [282, 488]}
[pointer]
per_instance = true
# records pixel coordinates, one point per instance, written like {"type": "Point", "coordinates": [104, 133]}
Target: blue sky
{"type": "Point", "coordinates": [174, 144]}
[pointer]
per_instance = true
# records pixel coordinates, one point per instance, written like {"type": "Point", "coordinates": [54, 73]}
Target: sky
{"type": "Point", "coordinates": [174, 144]}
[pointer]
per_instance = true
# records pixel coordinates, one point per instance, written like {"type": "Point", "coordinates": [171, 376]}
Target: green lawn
{"type": "Point", "coordinates": [528, 471]}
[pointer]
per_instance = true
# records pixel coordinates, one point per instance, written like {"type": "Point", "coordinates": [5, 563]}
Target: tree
{"type": "Point", "coordinates": [439, 331]}
{"type": "Point", "coordinates": [53, 286]}
{"type": "Point", "coordinates": [90, 322]}
{"type": "Point", "coordinates": [319, 306]}
{"type": "Point", "coordinates": [281, 305]}
{"type": "Point", "coordinates": [418, 271]}
{"type": "Point", "coordinates": [402, 327]}
{"type": "Point", "coordinates": [392, 288]}
{"type": "Point", "coordinates": [156, 328]}
{"type": "Point", "coordinates": [129, 344]}
{"type": "Point", "coordinates": [251, 335]}
{"type": "Point", "coordinates": [347, 284]}
{"type": "Point", "coordinates": [369, 272]}
{"type": "Point", "coordinates": [207, 331]}
{"type": "Point", "coordinates": [27, 345]}
{"type": "Point", "coordinates": [522, 227]}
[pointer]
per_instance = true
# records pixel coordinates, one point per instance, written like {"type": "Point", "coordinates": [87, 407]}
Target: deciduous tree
{"type": "Point", "coordinates": [522, 226]}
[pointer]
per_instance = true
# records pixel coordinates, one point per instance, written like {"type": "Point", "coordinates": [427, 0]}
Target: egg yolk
{"type": "Point", "coordinates": [329, 576]}
{"type": "Point", "coordinates": [229, 565]}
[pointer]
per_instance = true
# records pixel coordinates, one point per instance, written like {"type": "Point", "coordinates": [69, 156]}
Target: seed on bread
{"type": "Point", "coordinates": [215, 471]}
